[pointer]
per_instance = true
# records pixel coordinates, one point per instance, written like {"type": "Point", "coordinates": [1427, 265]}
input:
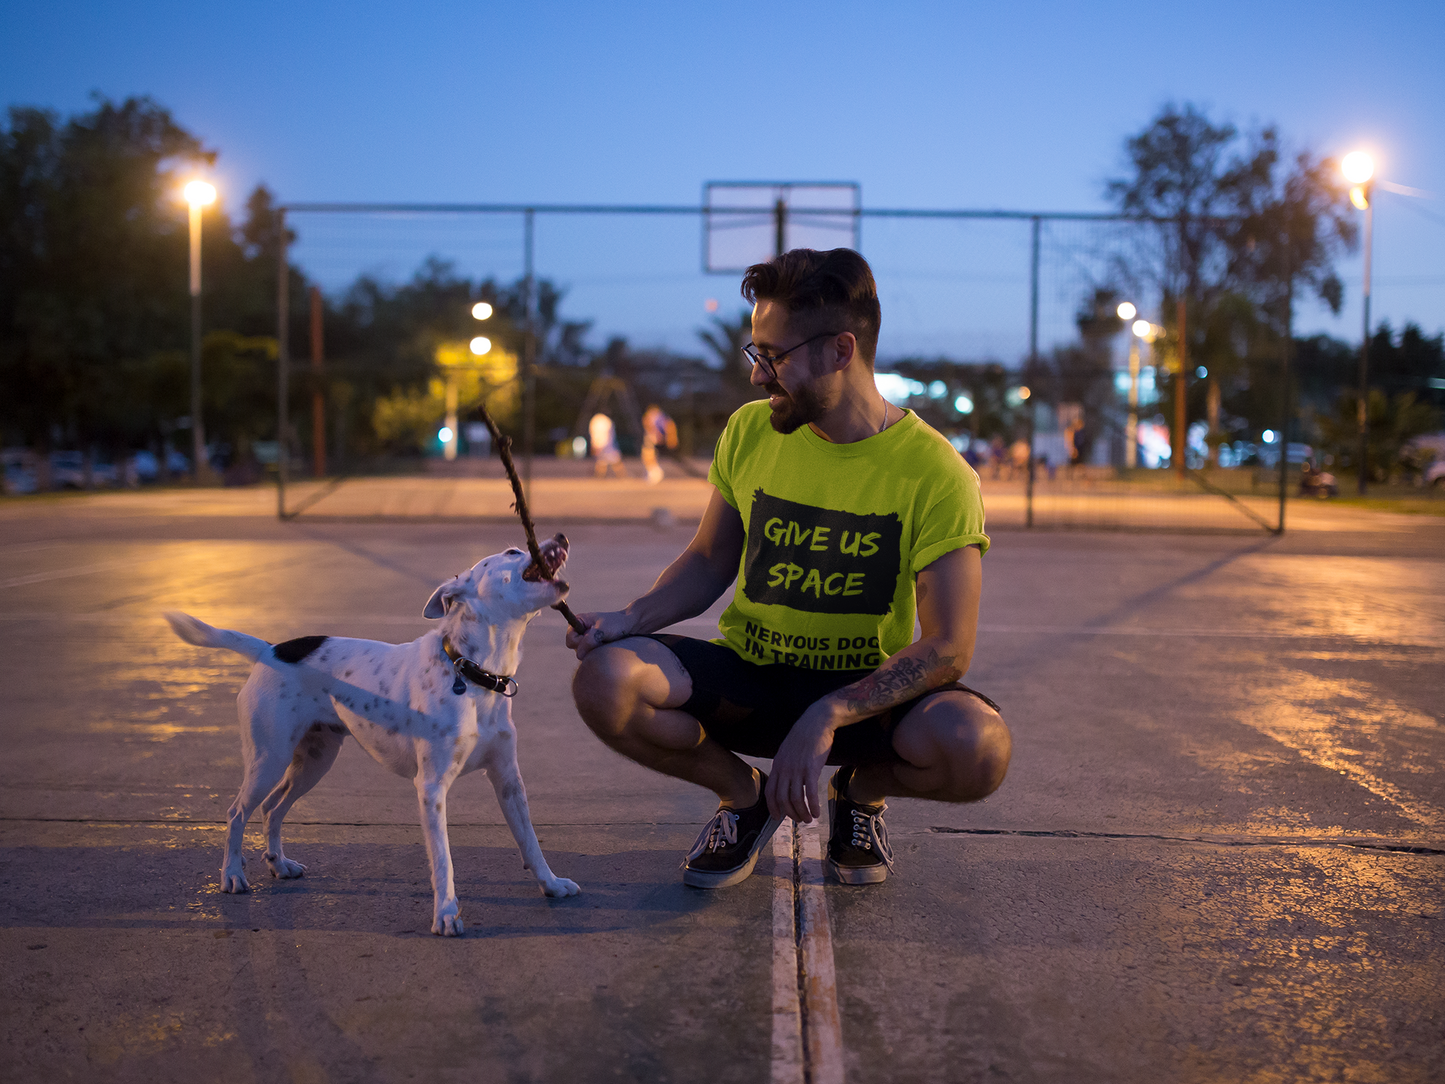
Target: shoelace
{"type": "Point", "coordinates": [871, 834]}
{"type": "Point", "coordinates": [716, 833]}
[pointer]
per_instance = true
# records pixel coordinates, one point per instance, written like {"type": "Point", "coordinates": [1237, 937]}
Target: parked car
{"type": "Point", "coordinates": [19, 476]}
{"type": "Point", "coordinates": [147, 467]}
{"type": "Point", "coordinates": [67, 471]}
{"type": "Point", "coordinates": [1428, 455]}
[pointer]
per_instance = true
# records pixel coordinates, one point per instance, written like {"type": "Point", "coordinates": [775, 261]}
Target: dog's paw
{"type": "Point", "coordinates": [557, 887]}
{"type": "Point", "coordinates": [234, 881]}
{"type": "Point", "coordinates": [285, 868]}
{"type": "Point", "coordinates": [448, 926]}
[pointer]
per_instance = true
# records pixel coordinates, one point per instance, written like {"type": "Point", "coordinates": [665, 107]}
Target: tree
{"type": "Point", "coordinates": [93, 292]}
{"type": "Point", "coordinates": [726, 339]}
{"type": "Point", "coordinates": [1236, 236]}
{"type": "Point", "coordinates": [1392, 421]}
{"type": "Point", "coordinates": [95, 257]}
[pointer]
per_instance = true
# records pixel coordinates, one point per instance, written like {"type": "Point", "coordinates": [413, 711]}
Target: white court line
{"type": "Point", "coordinates": [1130, 630]}
{"type": "Point", "coordinates": [807, 1027]}
{"type": "Point", "coordinates": [1114, 630]}
{"type": "Point", "coordinates": [153, 617]}
{"type": "Point", "coordinates": [76, 570]}
{"type": "Point", "coordinates": [787, 1014]}
{"type": "Point", "coordinates": [823, 1026]}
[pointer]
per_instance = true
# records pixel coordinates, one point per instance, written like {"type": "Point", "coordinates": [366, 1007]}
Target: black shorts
{"type": "Point", "coordinates": [750, 708]}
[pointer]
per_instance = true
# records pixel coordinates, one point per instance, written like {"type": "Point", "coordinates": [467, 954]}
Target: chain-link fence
{"type": "Point", "coordinates": [1001, 329]}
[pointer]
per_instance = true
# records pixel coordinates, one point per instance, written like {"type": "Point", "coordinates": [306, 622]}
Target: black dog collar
{"type": "Point", "coordinates": [465, 668]}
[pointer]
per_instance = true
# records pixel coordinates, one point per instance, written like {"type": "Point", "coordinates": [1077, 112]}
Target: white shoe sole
{"type": "Point", "coordinates": [698, 878]}
{"type": "Point", "coordinates": [858, 875]}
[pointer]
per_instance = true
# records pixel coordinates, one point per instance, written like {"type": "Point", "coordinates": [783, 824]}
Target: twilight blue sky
{"type": "Point", "coordinates": [1004, 105]}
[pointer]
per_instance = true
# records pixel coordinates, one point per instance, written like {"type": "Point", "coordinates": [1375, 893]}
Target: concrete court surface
{"type": "Point", "coordinates": [1218, 854]}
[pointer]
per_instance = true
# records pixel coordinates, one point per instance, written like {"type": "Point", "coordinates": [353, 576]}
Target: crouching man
{"type": "Point", "coordinates": [841, 517]}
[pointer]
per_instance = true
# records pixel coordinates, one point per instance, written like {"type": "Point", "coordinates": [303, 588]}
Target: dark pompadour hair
{"type": "Point", "coordinates": [824, 287]}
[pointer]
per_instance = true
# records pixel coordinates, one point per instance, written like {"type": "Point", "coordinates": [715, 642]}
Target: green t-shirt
{"type": "Point", "coordinates": [836, 535]}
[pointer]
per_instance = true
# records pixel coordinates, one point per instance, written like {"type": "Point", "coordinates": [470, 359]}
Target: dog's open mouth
{"type": "Point", "coordinates": [554, 556]}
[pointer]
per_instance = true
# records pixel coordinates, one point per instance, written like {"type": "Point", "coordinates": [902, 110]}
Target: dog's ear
{"type": "Point", "coordinates": [441, 599]}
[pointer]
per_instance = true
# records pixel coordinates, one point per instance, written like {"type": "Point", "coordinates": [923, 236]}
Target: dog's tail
{"type": "Point", "coordinates": [193, 631]}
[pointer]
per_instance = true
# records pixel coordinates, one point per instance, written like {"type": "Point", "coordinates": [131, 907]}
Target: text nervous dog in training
{"type": "Point", "coordinates": [431, 711]}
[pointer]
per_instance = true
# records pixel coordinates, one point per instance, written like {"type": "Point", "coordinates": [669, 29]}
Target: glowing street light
{"type": "Point", "coordinates": [1139, 329]}
{"type": "Point", "coordinates": [1359, 169]}
{"type": "Point", "coordinates": [199, 194]}
{"type": "Point", "coordinates": [1143, 329]}
{"type": "Point", "coordinates": [480, 345]}
{"type": "Point", "coordinates": [481, 310]}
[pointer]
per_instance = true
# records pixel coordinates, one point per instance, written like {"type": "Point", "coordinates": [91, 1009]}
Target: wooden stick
{"type": "Point", "coordinates": [504, 449]}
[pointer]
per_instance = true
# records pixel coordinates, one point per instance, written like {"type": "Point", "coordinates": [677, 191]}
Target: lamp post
{"type": "Point", "coordinates": [1358, 167]}
{"type": "Point", "coordinates": [199, 195]}
{"type": "Point", "coordinates": [479, 346]}
{"type": "Point", "coordinates": [1127, 312]}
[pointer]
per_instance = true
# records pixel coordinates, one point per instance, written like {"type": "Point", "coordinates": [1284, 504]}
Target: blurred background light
{"type": "Point", "coordinates": [200, 194]}
{"type": "Point", "coordinates": [1358, 167]}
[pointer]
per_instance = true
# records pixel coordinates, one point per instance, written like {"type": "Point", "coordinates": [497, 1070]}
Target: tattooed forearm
{"type": "Point", "coordinates": [900, 679]}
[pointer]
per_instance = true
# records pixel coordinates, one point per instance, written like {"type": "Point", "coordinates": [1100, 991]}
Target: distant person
{"type": "Point", "coordinates": [997, 454]}
{"type": "Point", "coordinates": [841, 517]}
{"type": "Point", "coordinates": [1018, 457]}
{"type": "Point", "coordinates": [602, 436]}
{"type": "Point", "coordinates": [657, 429]}
{"type": "Point", "coordinates": [970, 452]}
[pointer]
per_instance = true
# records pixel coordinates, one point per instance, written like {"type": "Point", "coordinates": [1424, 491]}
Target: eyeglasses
{"type": "Point", "coordinates": [768, 363]}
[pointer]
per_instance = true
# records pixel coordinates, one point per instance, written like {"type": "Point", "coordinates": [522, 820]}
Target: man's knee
{"type": "Point", "coordinates": [985, 746]}
{"type": "Point", "coordinates": [604, 689]}
{"type": "Point", "coordinates": [968, 737]}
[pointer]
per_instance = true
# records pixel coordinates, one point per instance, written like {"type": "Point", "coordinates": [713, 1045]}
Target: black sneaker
{"type": "Point", "coordinates": [858, 851]}
{"type": "Point", "coordinates": [727, 850]}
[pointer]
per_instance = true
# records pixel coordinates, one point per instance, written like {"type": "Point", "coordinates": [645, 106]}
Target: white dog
{"type": "Point", "coordinates": [430, 710]}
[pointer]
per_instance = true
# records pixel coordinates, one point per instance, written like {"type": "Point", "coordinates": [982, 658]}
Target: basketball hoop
{"type": "Point", "coordinates": [747, 222]}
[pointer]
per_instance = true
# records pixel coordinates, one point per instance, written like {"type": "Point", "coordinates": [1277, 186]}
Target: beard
{"type": "Point", "coordinates": [797, 409]}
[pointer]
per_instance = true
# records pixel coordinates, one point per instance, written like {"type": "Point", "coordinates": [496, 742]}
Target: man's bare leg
{"type": "Point", "coordinates": [628, 693]}
{"type": "Point", "coordinates": [955, 749]}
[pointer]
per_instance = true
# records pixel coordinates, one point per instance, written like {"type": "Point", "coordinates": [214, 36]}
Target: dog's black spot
{"type": "Point", "coordinates": [293, 651]}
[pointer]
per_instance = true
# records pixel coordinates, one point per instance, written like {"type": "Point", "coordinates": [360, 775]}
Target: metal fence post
{"type": "Point", "coordinates": [529, 360]}
{"type": "Point", "coordinates": [283, 357]}
{"type": "Point", "coordinates": [1031, 406]}
{"type": "Point", "coordinates": [1287, 412]}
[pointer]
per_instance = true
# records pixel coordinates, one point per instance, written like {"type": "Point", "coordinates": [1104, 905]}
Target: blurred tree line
{"type": "Point", "coordinates": [94, 329]}
{"type": "Point", "coordinates": [95, 333]}
{"type": "Point", "coordinates": [1240, 234]}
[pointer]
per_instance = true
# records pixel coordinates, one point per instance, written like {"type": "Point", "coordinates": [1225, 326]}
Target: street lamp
{"type": "Point", "coordinates": [1127, 312]}
{"type": "Point", "coordinates": [449, 433]}
{"type": "Point", "coordinates": [1358, 168]}
{"type": "Point", "coordinates": [199, 195]}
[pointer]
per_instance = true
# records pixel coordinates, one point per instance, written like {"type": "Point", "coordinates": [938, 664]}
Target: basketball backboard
{"type": "Point", "coordinates": [746, 222]}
